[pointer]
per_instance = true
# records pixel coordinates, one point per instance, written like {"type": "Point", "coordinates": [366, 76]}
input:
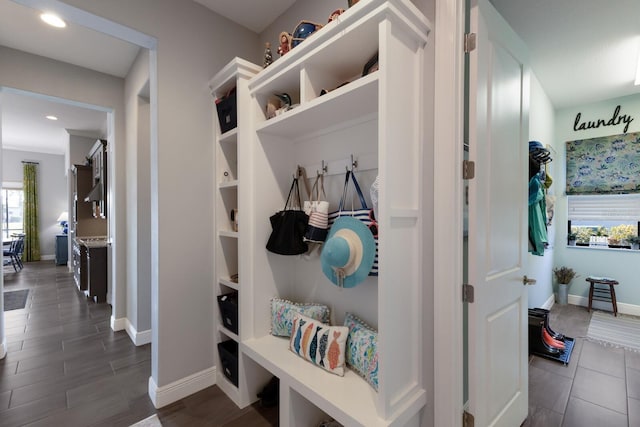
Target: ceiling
{"type": "Point", "coordinates": [581, 51]}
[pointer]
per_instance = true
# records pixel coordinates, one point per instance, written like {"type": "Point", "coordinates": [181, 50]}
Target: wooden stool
{"type": "Point", "coordinates": [600, 294]}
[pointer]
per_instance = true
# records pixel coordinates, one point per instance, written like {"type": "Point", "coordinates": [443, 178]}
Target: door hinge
{"type": "Point", "coordinates": [467, 293]}
{"type": "Point", "coordinates": [468, 169]}
{"type": "Point", "coordinates": [467, 419]}
{"type": "Point", "coordinates": [469, 42]}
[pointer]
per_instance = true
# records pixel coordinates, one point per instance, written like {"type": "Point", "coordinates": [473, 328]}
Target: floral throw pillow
{"type": "Point", "coordinates": [362, 349]}
{"type": "Point", "coordinates": [318, 343]}
{"type": "Point", "coordinates": [282, 312]}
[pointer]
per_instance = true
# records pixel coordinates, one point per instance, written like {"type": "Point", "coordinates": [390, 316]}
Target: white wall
{"type": "Point", "coordinates": [52, 191]}
{"type": "Point", "coordinates": [541, 128]}
{"type": "Point", "coordinates": [620, 264]}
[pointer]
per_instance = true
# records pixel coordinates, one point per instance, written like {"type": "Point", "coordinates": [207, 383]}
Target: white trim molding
{"type": "Point", "coordinates": [123, 324]}
{"type": "Point", "coordinates": [119, 324]}
{"type": "Point", "coordinates": [549, 302]}
{"type": "Point", "coordinates": [138, 338]}
{"type": "Point", "coordinates": [623, 308]}
{"type": "Point", "coordinates": [165, 395]}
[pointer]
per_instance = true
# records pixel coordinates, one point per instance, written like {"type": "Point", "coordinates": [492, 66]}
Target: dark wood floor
{"type": "Point", "coordinates": [66, 367]}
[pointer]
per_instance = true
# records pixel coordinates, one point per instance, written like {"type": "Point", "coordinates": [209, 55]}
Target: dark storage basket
{"type": "Point", "coordinates": [228, 351]}
{"type": "Point", "coordinates": [227, 112]}
{"type": "Point", "coordinates": [228, 304]}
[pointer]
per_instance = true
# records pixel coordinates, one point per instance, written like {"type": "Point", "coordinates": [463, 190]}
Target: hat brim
{"type": "Point", "coordinates": [368, 251]}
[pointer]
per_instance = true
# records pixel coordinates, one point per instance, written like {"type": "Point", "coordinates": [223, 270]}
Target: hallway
{"type": "Point", "coordinates": [599, 387]}
{"type": "Point", "coordinates": [66, 367]}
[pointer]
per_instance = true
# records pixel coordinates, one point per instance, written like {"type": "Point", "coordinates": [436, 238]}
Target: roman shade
{"type": "Point", "coordinates": [605, 165]}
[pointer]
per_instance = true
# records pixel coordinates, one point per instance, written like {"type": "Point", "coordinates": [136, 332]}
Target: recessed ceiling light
{"type": "Point", "coordinates": [52, 118]}
{"type": "Point", "coordinates": [53, 20]}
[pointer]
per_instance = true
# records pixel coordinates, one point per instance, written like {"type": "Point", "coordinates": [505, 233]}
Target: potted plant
{"type": "Point", "coordinates": [619, 235]}
{"type": "Point", "coordinates": [564, 276]}
{"type": "Point", "coordinates": [634, 241]}
{"type": "Point", "coordinates": [571, 238]}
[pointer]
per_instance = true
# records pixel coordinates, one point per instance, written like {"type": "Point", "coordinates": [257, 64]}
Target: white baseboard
{"type": "Point", "coordinates": [165, 395]}
{"type": "Point", "coordinates": [138, 338]}
{"type": "Point", "coordinates": [624, 308]}
{"type": "Point", "coordinates": [119, 324]}
{"type": "Point", "coordinates": [549, 303]}
{"type": "Point", "coordinates": [3, 348]}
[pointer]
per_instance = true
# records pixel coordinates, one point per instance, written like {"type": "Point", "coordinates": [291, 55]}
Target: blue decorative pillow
{"type": "Point", "coordinates": [282, 312]}
{"type": "Point", "coordinates": [320, 344]}
{"type": "Point", "coordinates": [362, 349]}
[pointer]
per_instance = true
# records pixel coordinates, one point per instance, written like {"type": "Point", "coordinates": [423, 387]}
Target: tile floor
{"type": "Point", "coordinates": [599, 387]}
{"type": "Point", "coordinates": [65, 367]}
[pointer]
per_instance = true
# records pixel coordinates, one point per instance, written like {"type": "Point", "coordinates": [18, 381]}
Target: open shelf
{"type": "Point", "coordinates": [229, 184]}
{"type": "Point", "coordinates": [228, 233]}
{"type": "Point", "coordinates": [349, 399]}
{"type": "Point", "coordinates": [346, 106]}
{"type": "Point", "coordinates": [228, 283]}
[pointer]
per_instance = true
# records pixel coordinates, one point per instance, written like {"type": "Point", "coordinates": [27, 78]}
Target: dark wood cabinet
{"type": "Point", "coordinates": [97, 273]}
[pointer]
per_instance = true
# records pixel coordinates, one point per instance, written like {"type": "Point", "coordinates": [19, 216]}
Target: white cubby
{"type": "Point", "coordinates": [377, 118]}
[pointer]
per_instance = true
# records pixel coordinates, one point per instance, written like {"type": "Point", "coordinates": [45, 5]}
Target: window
{"type": "Point", "coordinates": [604, 220]}
{"type": "Point", "coordinates": [12, 211]}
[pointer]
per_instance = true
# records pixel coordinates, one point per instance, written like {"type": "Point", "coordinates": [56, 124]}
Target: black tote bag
{"type": "Point", "coordinates": [288, 227]}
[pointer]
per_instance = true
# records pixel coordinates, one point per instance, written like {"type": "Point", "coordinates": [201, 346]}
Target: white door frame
{"type": "Point", "coordinates": [447, 206]}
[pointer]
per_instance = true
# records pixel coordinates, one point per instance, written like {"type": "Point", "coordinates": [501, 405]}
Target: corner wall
{"type": "Point", "coordinates": [620, 264]}
{"type": "Point", "coordinates": [541, 128]}
{"type": "Point", "coordinates": [193, 44]}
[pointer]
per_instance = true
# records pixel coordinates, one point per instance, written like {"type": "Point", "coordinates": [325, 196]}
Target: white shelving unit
{"type": "Point", "coordinates": [228, 195]}
{"type": "Point", "coordinates": [377, 118]}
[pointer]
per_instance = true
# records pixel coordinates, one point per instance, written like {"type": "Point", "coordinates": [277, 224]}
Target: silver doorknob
{"type": "Point", "coordinates": [527, 281]}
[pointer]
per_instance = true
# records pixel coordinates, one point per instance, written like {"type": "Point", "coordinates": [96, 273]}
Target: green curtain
{"type": "Point", "coordinates": [31, 240]}
{"type": "Point", "coordinates": [604, 165]}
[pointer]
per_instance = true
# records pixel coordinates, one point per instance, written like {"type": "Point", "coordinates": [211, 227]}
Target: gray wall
{"type": "Point", "coordinates": [52, 191]}
{"type": "Point", "coordinates": [74, 83]}
{"type": "Point", "coordinates": [138, 195]}
{"type": "Point", "coordinates": [193, 44]}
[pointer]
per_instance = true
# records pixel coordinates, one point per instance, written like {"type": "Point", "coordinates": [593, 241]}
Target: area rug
{"type": "Point", "coordinates": [622, 331]}
{"type": "Point", "coordinates": [152, 421]}
{"type": "Point", "coordinates": [15, 300]}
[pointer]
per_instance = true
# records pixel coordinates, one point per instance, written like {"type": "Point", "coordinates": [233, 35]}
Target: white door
{"type": "Point", "coordinates": [498, 143]}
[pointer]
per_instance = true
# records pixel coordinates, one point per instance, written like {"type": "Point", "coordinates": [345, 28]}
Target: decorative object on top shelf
{"type": "Point", "coordinates": [268, 57]}
{"type": "Point", "coordinates": [347, 255]}
{"type": "Point", "coordinates": [303, 30]}
{"type": "Point", "coordinates": [371, 65]}
{"type": "Point", "coordinates": [63, 219]}
{"type": "Point", "coordinates": [285, 43]}
{"type": "Point", "coordinates": [227, 114]}
{"type": "Point", "coordinates": [335, 14]}
{"type": "Point", "coordinates": [278, 104]}
{"type": "Point", "coordinates": [288, 226]}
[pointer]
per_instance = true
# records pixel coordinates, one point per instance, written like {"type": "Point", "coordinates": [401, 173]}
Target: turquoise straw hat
{"type": "Point", "coordinates": [348, 253]}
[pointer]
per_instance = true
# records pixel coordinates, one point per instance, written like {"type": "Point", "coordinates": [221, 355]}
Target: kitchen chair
{"type": "Point", "coordinates": [14, 252]}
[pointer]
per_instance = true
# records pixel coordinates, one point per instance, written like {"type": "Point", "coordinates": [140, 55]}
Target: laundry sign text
{"type": "Point", "coordinates": [615, 120]}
